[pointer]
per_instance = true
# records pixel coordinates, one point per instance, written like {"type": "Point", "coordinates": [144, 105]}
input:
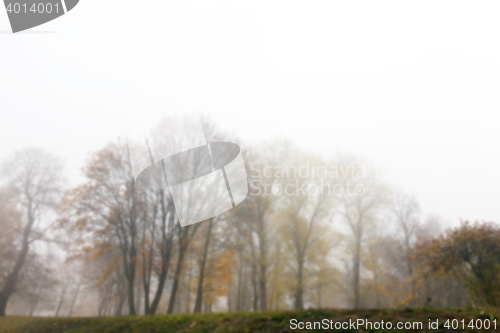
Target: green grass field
{"type": "Point", "coordinates": [271, 321]}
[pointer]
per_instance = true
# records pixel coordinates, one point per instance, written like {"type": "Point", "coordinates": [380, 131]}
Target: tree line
{"type": "Point", "coordinates": [314, 231]}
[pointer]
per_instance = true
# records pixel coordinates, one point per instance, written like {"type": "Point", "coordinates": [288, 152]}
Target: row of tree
{"type": "Point", "coordinates": [313, 232]}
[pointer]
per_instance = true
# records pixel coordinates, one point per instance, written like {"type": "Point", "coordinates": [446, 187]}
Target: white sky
{"type": "Point", "coordinates": [412, 86]}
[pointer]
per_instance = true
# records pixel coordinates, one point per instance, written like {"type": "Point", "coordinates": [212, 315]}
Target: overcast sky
{"type": "Point", "coordinates": [412, 86]}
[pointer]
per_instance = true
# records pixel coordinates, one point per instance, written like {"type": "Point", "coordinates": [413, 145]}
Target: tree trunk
{"type": "Point", "coordinates": [239, 290]}
{"type": "Point", "coordinates": [254, 287]}
{"type": "Point", "coordinates": [73, 302]}
{"type": "Point", "coordinates": [138, 300]}
{"type": "Point", "coordinates": [121, 301]}
{"type": "Point", "coordinates": [33, 307]}
{"type": "Point", "coordinates": [244, 293]}
{"type": "Point", "coordinates": [299, 291]}
{"type": "Point", "coordinates": [183, 244]}
{"type": "Point", "coordinates": [175, 285]}
{"type": "Point", "coordinates": [166, 253]}
{"type": "Point", "coordinates": [263, 266]}
{"type": "Point", "coordinates": [356, 272]}
{"type": "Point", "coordinates": [199, 293]}
{"type": "Point", "coordinates": [178, 304]}
{"type": "Point", "coordinates": [254, 278]}
{"type": "Point", "coordinates": [131, 298]}
{"type": "Point", "coordinates": [61, 300]}
{"type": "Point", "coordinates": [188, 301]}
{"type": "Point", "coordinates": [11, 280]}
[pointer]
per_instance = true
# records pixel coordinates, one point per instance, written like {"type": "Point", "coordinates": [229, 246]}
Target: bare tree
{"type": "Point", "coordinates": [303, 213]}
{"type": "Point", "coordinates": [359, 206]}
{"type": "Point", "coordinates": [34, 181]}
{"type": "Point", "coordinates": [109, 208]}
{"type": "Point", "coordinates": [255, 212]}
{"type": "Point", "coordinates": [406, 211]}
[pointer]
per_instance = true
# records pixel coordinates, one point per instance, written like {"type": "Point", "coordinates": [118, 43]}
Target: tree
{"type": "Point", "coordinates": [258, 208]}
{"type": "Point", "coordinates": [360, 204]}
{"type": "Point", "coordinates": [9, 219]}
{"type": "Point", "coordinates": [107, 211]}
{"type": "Point", "coordinates": [473, 252]}
{"type": "Point", "coordinates": [255, 213]}
{"type": "Point", "coordinates": [304, 212]}
{"type": "Point", "coordinates": [33, 182]}
{"type": "Point", "coordinates": [406, 211]}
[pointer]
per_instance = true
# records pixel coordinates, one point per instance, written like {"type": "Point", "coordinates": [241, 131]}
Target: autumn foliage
{"type": "Point", "coordinates": [472, 252]}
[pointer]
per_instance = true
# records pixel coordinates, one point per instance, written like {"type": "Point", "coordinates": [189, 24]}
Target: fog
{"type": "Point", "coordinates": [410, 90]}
{"type": "Point", "coordinates": [414, 93]}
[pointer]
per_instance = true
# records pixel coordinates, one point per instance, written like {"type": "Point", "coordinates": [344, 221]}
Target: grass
{"type": "Point", "coordinates": [268, 321]}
